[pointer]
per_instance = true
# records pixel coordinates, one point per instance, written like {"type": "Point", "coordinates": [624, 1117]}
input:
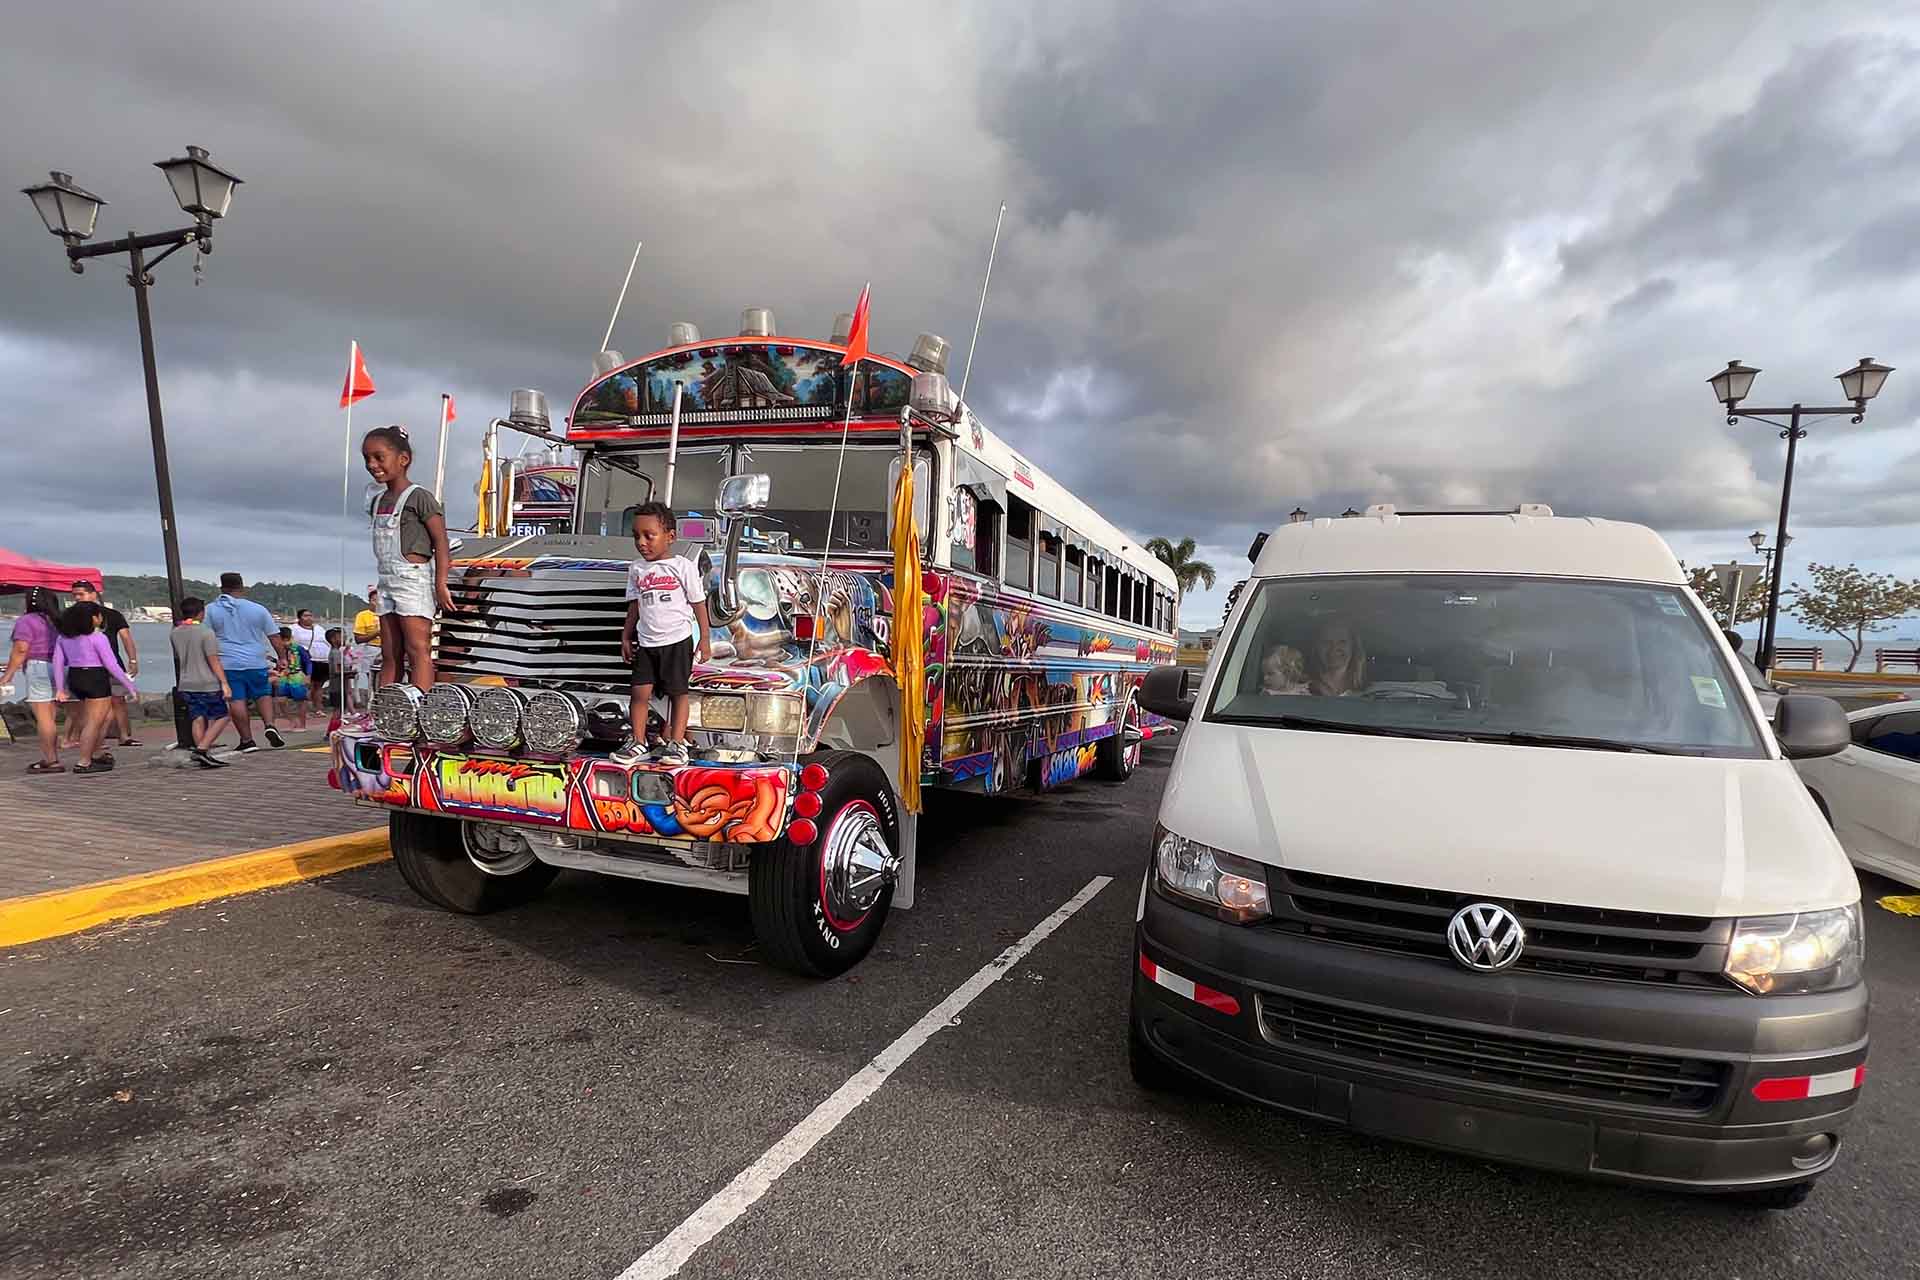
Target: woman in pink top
{"type": "Point", "coordinates": [85, 669]}
{"type": "Point", "coordinates": [31, 656]}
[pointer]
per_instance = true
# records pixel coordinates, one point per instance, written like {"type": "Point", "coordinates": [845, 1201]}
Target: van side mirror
{"type": "Point", "coordinates": [1809, 726]}
{"type": "Point", "coordinates": [1169, 691]}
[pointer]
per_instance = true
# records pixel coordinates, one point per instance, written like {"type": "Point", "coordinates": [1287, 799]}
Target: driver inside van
{"type": "Point", "coordinates": [1336, 661]}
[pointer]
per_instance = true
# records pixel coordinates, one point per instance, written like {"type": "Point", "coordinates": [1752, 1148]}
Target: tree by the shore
{"type": "Point", "coordinates": [1852, 603]}
{"type": "Point", "coordinates": [1706, 585]}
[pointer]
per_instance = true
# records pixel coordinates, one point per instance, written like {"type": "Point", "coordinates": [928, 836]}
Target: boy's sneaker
{"type": "Point", "coordinates": [206, 761]}
{"type": "Point", "coordinates": [274, 739]}
{"type": "Point", "coordinates": [246, 748]}
{"type": "Point", "coordinates": [630, 752]}
{"type": "Point", "coordinates": [673, 753]}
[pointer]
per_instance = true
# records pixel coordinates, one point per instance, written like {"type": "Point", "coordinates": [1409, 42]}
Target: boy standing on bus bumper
{"type": "Point", "coordinates": [664, 598]}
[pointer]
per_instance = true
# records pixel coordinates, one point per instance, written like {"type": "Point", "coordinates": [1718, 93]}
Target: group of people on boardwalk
{"type": "Point", "coordinates": [231, 657]}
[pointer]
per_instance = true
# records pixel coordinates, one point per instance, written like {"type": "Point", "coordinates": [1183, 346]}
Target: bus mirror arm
{"type": "Point", "coordinates": [724, 608]}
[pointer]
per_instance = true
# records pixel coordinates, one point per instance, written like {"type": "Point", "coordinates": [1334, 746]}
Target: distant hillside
{"type": "Point", "coordinates": [284, 598]}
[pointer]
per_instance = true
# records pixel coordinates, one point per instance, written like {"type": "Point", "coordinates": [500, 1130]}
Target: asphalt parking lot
{"type": "Point", "coordinates": [332, 1079]}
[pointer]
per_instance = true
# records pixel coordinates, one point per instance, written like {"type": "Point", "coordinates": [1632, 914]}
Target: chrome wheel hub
{"type": "Point", "coordinates": [496, 851]}
{"type": "Point", "coordinates": [855, 863]}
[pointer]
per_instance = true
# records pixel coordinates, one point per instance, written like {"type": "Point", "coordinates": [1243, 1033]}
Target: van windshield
{"type": "Point", "coordinates": [1534, 661]}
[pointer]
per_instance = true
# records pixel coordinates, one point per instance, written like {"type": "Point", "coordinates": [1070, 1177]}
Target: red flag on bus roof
{"type": "Point", "coordinates": [857, 333]}
{"type": "Point", "coordinates": [359, 383]}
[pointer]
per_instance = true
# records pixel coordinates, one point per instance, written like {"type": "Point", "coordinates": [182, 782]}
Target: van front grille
{"type": "Point", "coordinates": [1591, 942]}
{"type": "Point", "coordinates": [1476, 1056]}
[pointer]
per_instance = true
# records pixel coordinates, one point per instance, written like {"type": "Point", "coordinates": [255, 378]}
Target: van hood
{"type": "Point", "coordinates": [1682, 834]}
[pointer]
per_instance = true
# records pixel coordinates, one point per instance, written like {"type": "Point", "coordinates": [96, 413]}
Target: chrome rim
{"type": "Point", "coordinates": [1131, 755]}
{"type": "Point", "coordinates": [854, 863]}
{"type": "Point", "coordinates": [498, 853]}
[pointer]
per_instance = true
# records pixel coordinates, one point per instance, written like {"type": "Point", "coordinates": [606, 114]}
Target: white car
{"type": "Point", "coordinates": [1871, 791]}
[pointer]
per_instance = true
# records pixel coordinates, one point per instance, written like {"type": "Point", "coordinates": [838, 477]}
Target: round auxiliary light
{"type": "Point", "coordinates": [396, 712]}
{"type": "Point", "coordinates": [553, 722]}
{"type": "Point", "coordinates": [444, 712]}
{"type": "Point", "coordinates": [496, 718]}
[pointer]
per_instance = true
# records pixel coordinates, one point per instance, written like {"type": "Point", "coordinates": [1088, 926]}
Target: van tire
{"type": "Point", "coordinates": [787, 895]}
{"type": "Point", "coordinates": [1774, 1198]}
{"type": "Point", "coordinates": [433, 860]}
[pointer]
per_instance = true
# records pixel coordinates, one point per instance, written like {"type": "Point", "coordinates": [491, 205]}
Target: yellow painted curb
{"type": "Point", "coordinates": [1791, 675]}
{"type": "Point", "coordinates": [63, 911]}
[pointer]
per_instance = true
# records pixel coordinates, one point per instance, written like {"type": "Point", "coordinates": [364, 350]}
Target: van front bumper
{"type": "Point", "coordinates": [1556, 1072]}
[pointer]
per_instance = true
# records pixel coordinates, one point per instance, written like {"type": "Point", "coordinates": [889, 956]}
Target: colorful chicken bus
{"type": "Point", "coordinates": [1039, 620]}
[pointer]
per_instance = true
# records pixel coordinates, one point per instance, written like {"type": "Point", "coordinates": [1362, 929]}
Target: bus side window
{"type": "Point", "coordinates": [1047, 555]}
{"type": "Point", "coordinates": [1076, 574]}
{"type": "Point", "coordinates": [976, 532]}
{"type": "Point", "coordinates": [1019, 568]}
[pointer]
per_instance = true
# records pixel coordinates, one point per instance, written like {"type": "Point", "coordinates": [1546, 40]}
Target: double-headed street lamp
{"type": "Point", "coordinates": [204, 190]}
{"type": "Point", "coordinates": [1730, 386]}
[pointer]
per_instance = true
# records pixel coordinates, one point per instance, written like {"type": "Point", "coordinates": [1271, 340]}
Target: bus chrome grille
{"type": "Point", "coordinates": [558, 628]}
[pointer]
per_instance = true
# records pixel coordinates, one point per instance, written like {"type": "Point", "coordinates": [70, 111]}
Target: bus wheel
{"type": "Point", "coordinates": [1114, 759]}
{"type": "Point", "coordinates": [817, 908]}
{"type": "Point", "coordinates": [435, 858]}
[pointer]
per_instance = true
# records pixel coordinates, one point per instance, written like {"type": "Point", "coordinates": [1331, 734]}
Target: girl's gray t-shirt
{"type": "Point", "coordinates": [194, 645]}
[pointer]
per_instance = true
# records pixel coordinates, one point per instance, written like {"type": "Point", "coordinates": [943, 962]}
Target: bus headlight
{"type": "Point", "coordinates": [776, 714]}
{"type": "Point", "coordinates": [552, 722]}
{"type": "Point", "coordinates": [444, 712]}
{"type": "Point", "coordinates": [1795, 953]}
{"type": "Point", "coordinates": [396, 712]}
{"type": "Point", "coordinates": [496, 718]}
{"type": "Point", "coordinates": [1198, 875]}
{"type": "Point", "coordinates": [723, 711]}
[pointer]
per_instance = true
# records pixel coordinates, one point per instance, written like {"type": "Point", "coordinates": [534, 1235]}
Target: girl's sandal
{"type": "Point", "coordinates": [129, 742]}
{"type": "Point", "coordinates": [95, 767]}
{"type": "Point", "coordinates": [41, 766]}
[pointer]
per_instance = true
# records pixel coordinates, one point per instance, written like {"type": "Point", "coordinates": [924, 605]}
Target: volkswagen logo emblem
{"type": "Point", "coordinates": [1485, 937]}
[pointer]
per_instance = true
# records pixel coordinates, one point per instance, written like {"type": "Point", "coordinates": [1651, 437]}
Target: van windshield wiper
{"type": "Point", "coordinates": [1337, 726]}
{"type": "Point", "coordinates": [1522, 738]}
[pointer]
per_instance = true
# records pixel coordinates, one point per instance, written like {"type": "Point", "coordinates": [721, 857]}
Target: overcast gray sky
{"type": "Point", "coordinates": [1256, 256]}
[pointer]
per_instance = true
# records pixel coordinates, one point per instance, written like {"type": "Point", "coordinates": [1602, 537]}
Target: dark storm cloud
{"type": "Point", "coordinates": [1256, 256]}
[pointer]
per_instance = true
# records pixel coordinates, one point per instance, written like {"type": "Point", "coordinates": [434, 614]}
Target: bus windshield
{"type": "Point", "coordinates": [618, 481]}
{"type": "Point", "coordinates": [1529, 661]}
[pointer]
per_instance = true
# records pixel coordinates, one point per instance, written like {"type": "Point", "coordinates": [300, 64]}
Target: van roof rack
{"type": "Point", "coordinates": [1522, 509]}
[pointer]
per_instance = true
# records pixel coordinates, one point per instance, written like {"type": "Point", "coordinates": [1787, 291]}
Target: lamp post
{"type": "Point", "coordinates": [202, 189]}
{"type": "Point", "coordinates": [1730, 386]}
{"type": "Point", "coordinates": [1757, 540]}
{"type": "Point", "coordinates": [1298, 516]}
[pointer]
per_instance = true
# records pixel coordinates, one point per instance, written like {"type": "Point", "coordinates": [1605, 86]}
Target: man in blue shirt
{"type": "Point", "coordinates": [250, 648]}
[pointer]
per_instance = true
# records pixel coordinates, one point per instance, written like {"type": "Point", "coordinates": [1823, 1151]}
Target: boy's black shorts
{"type": "Point", "coordinates": [668, 667]}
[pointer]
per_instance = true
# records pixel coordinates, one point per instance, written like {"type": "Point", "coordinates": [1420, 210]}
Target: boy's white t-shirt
{"type": "Point", "coordinates": [667, 591]}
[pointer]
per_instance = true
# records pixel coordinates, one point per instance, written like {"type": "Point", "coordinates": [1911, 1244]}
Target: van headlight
{"type": "Point", "coordinates": [1198, 875]}
{"type": "Point", "coordinates": [1797, 953]}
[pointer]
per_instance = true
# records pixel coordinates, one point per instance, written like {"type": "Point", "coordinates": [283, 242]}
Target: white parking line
{"type": "Point", "coordinates": [710, 1219]}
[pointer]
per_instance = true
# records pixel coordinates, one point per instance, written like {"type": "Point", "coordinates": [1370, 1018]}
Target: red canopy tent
{"type": "Point", "coordinates": [18, 572]}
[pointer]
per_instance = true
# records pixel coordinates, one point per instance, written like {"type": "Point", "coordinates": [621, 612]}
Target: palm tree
{"type": "Point", "coordinates": [1179, 558]}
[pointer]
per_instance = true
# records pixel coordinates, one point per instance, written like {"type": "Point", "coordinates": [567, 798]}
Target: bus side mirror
{"type": "Point", "coordinates": [1169, 691]}
{"type": "Point", "coordinates": [1259, 541]}
{"type": "Point", "coordinates": [741, 494]}
{"type": "Point", "coordinates": [1809, 726]}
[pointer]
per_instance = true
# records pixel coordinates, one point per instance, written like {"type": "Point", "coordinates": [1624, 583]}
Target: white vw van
{"type": "Point", "coordinates": [1477, 838]}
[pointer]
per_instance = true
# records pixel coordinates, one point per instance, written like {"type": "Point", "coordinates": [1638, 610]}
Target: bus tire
{"type": "Point", "coordinates": [816, 912]}
{"type": "Point", "coordinates": [1113, 759]}
{"type": "Point", "coordinates": [432, 858]}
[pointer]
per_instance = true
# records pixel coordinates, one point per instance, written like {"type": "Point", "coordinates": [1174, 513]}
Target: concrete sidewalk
{"type": "Point", "coordinates": [62, 831]}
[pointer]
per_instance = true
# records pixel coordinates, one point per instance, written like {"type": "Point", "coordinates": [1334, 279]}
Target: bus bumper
{"type": "Point", "coordinates": [589, 796]}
